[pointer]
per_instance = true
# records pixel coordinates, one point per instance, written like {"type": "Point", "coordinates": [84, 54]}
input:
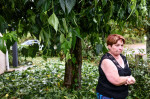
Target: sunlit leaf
{"type": "Point", "coordinates": [68, 56]}
{"type": "Point", "coordinates": [77, 31]}
{"type": "Point", "coordinates": [20, 27]}
{"type": "Point", "coordinates": [65, 25]}
{"type": "Point", "coordinates": [42, 32]}
{"type": "Point", "coordinates": [62, 38]}
{"type": "Point", "coordinates": [70, 4]}
{"type": "Point", "coordinates": [73, 38]}
{"type": "Point", "coordinates": [6, 95]}
{"type": "Point", "coordinates": [66, 97]}
{"type": "Point", "coordinates": [53, 21]}
{"type": "Point", "coordinates": [2, 46]}
{"type": "Point", "coordinates": [62, 4]}
{"type": "Point", "coordinates": [70, 34]}
{"type": "Point", "coordinates": [111, 8]}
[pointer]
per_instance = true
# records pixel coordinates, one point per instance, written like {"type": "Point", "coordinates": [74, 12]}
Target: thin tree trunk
{"type": "Point", "coordinates": [72, 77]}
{"type": "Point", "coordinates": [68, 73]}
{"type": "Point", "coordinates": [148, 40]}
{"type": "Point", "coordinates": [76, 81]}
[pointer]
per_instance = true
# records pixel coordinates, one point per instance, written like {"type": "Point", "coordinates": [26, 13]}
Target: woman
{"type": "Point", "coordinates": [115, 75]}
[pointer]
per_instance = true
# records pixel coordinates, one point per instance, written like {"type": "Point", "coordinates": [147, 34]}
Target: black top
{"type": "Point", "coordinates": [106, 88]}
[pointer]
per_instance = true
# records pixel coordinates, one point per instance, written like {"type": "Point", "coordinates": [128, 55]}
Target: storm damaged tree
{"type": "Point", "coordinates": [67, 22]}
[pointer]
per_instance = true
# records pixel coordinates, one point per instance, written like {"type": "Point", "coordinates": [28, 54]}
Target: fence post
{"type": "Point", "coordinates": [15, 55]}
{"type": "Point", "coordinates": [139, 59]}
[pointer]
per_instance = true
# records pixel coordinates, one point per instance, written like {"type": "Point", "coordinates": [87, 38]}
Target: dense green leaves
{"type": "Point", "coordinates": [35, 17]}
{"type": "Point", "coordinates": [44, 5]}
{"type": "Point", "coordinates": [29, 51]}
{"type": "Point", "coordinates": [7, 39]}
{"type": "Point", "coordinates": [65, 25]}
{"type": "Point", "coordinates": [104, 2]}
{"type": "Point", "coordinates": [3, 25]}
{"type": "Point", "coordinates": [133, 7]}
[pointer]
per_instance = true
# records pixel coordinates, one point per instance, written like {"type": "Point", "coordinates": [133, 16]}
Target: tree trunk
{"type": "Point", "coordinates": [148, 40]}
{"type": "Point", "coordinates": [68, 73]}
{"type": "Point", "coordinates": [72, 77]}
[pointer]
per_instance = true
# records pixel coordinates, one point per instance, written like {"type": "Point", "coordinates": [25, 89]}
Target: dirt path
{"type": "Point", "coordinates": [135, 48]}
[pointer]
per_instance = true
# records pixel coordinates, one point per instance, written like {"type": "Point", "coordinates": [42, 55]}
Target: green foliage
{"type": "Point", "coordinates": [3, 25]}
{"type": "Point", "coordinates": [7, 39]}
{"type": "Point", "coordinates": [43, 4]}
{"type": "Point", "coordinates": [93, 47]}
{"type": "Point", "coordinates": [29, 51]}
{"type": "Point", "coordinates": [2, 47]}
{"type": "Point", "coordinates": [141, 71]}
{"type": "Point", "coordinates": [43, 18]}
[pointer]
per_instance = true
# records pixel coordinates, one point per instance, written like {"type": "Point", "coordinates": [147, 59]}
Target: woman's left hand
{"type": "Point", "coordinates": [130, 80]}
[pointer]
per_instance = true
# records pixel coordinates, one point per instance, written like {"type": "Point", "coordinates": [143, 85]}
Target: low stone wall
{"type": "Point", "coordinates": [2, 61]}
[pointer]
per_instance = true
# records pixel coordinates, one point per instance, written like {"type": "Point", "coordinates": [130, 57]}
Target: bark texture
{"type": "Point", "coordinates": [148, 41]}
{"type": "Point", "coordinates": [72, 77]}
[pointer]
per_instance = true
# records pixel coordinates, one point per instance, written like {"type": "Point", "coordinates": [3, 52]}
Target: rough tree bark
{"type": "Point", "coordinates": [148, 40]}
{"type": "Point", "coordinates": [72, 77]}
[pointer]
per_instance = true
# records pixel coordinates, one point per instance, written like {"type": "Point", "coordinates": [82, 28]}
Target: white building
{"type": "Point", "coordinates": [4, 64]}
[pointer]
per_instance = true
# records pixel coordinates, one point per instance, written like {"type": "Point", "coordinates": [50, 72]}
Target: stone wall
{"type": "Point", "coordinates": [2, 61]}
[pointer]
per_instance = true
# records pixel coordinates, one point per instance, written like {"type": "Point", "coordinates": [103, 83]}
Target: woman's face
{"type": "Point", "coordinates": [117, 48]}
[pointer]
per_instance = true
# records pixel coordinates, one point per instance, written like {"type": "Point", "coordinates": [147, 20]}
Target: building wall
{"type": "Point", "coordinates": [2, 61]}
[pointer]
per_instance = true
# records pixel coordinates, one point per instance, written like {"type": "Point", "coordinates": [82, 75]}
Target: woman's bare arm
{"type": "Point", "coordinates": [111, 73]}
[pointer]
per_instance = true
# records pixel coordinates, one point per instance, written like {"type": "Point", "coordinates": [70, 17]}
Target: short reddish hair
{"type": "Point", "coordinates": [113, 39]}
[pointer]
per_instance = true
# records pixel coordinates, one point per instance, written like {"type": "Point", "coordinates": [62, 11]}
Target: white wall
{"type": "Point", "coordinates": [2, 61]}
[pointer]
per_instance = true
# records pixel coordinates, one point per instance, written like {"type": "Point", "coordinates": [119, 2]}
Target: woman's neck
{"type": "Point", "coordinates": [115, 56]}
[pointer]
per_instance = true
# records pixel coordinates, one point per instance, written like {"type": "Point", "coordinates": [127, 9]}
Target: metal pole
{"type": "Point", "coordinates": [15, 55]}
{"type": "Point", "coordinates": [7, 61]}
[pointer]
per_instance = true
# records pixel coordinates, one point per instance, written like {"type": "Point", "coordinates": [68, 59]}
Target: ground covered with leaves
{"type": "Point", "coordinates": [45, 81]}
